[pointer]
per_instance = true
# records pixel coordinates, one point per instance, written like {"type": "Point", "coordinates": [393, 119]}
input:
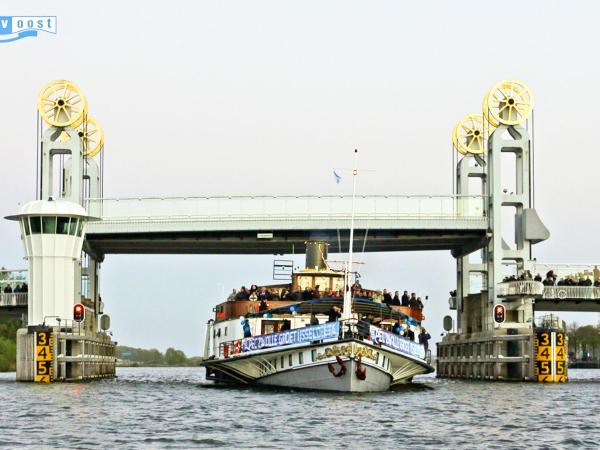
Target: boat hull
{"type": "Point", "coordinates": [319, 377]}
{"type": "Point", "coordinates": [342, 366]}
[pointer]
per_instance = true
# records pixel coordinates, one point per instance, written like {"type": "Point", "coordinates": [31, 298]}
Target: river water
{"type": "Point", "coordinates": [177, 408]}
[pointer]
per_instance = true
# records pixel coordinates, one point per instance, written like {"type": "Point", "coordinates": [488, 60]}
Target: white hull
{"type": "Point", "coordinates": [319, 377]}
{"type": "Point", "coordinates": [311, 366]}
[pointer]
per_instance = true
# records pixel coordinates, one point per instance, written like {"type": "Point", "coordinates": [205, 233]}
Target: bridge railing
{"type": "Point", "coordinates": [521, 287]}
{"type": "Point", "coordinates": [537, 289]}
{"type": "Point", "coordinates": [13, 299]}
{"type": "Point", "coordinates": [285, 207]}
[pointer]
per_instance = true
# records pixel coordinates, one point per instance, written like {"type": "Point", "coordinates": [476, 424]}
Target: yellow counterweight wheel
{"type": "Point", "coordinates": [509, 102]}
{"type": "Point", "coordinates": [92, 137]}
{"type": "Point", "coordinates": [61, 104]}
{"type": "Point", "coordinates": [470, 135]}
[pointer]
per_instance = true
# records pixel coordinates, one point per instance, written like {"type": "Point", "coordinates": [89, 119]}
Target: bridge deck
{"type": "Point", "coordinates": [554, 298]}
{"type": "Point", "coordinates": [264, 224]}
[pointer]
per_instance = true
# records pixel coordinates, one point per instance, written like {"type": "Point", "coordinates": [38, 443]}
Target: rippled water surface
{"type": "Point", "coordinates": [177, 408]}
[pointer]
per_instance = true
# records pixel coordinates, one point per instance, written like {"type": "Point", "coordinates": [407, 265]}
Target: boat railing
{"type": "Point", "coordinates": [342, 329]}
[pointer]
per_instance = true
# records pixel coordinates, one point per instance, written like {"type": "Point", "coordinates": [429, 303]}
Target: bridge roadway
{"type": "Point", "coordinates": [281, 225]}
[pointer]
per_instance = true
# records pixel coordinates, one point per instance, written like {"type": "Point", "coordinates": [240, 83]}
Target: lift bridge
{"type": "Point", "coordinates": [496, 336]}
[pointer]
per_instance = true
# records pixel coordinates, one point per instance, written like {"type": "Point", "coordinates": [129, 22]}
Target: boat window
{"type": "Point", "coordinates": [313, 355]}
{"type": "Point", "coordinates": [301, 358]}
{"type": "Point", "coordinates": [36, 225]}
{"type": "Point", "coordinates": [26, 227]}
{"type": "Point", "coordinates": [80, 227]}
{"type": "Point", "coordinates": [49, 225]}
{"type": "Point", "coordinates": [282, 361]}
{"type": "Point", "coordinates": [383, 361]}
{"type": "Point", "coordinates": [290, 362]}
{"type": "Point", "coordinates": [377, 359]}
{"type": "Point", "coordinates": [73, 226]}
{"type": "Point", "coordinates": [225, 331]}
{"type": "Point", "coordinates": [62, 225]}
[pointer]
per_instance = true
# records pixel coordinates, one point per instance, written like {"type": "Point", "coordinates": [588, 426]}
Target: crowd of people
{"type": "Point", "coordinates": [18, 289]}
{"type": "Point", "coordinates": [552, 279]}
{"type": "Point", "coordinates": [411, 301]}
{"type": "Point", "coordinates": [264, 294]}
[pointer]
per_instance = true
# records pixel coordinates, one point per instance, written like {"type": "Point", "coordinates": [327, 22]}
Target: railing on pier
{"type": "Point", "coordinates": [537, 289]}
{"type": "Point", "coordinates": [13, 299]}
{"type": "Point", "coordinates": [521, 287]}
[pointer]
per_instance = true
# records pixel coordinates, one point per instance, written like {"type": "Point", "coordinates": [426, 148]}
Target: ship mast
{"type": "Point", "coordinates": [347, 311]}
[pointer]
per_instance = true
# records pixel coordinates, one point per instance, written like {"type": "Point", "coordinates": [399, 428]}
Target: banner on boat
{"type": "Point", "coordinates": [329, 330]}
{"type": "Point", "coordinates": [396, 342]}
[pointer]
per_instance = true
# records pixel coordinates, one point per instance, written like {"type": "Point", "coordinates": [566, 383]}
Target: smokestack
{"type": "Point", "coordinates": [316, 254]}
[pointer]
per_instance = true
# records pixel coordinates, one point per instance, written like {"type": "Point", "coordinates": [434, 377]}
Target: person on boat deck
{"type": "Point", "coordinates": [232, 296]}
{"type": "Point", "coordinates": [243, 294]}
{"type": "Point", "coordinates": [286, 325]}
{"type": "Point", "coordinates": [253, 297]}
{"type": "Point", "coordinates": [409, 334]}
{"type": "Point", "coordinates": [424, 337]}
{"type": "Point", "coordinates": [405, 298]}
{"type": "Point", "coordinates": [396, 299]}
{"type": "Point", "coordinates": [356, 287]}
{"type": "Point", "coordinates": [387, 298]}
{"type": "Point", "coordinates": [538, 277]}
{"type": "Point", "coordinates": [313, 319]}
{"type": "Point", "coordinates": [246, 328]}
{"type": "Point", "coordinates": [334, 314]}
{"type": "Point", "coordinates": [17, 289]}
{"type": "Point", "coordinates": [253, 288]}
{"type": "Point", "coordinates": [285, 294]}
{"type": "Point", "coordinates": [25, 288]}
{"type": "Point", "coordinates": [307, 294]}
{"type": "Point", "coordinates": [419, 303]}
{"type": "Point", "coordinates": [8, 289]}
{"type": "Point", "coordinates": [262, 294]}
{"type": "Point", "coordinates": [412, 301]}
{"type": "Point", "coordinates": [363, 326]}
{"type": "Point", "coordinates": [397, 328]}
{"type": "Point", "coordinates": [263, 306]}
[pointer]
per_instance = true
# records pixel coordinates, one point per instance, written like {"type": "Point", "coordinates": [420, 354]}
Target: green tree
{"type": "Point", "coordinates": [175, 357]}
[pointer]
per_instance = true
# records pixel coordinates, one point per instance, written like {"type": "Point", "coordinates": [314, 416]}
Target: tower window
{"type": "Point", "coordinates": [62, 225]}
{"type": "Point", "coordinates": [48, 225]}
{"type": "Point", "coordinates": [36, 225]}
{"type": "Point", "coordinates": [73, 226]}
{"type": "Point", "coordinates": [80, 227]}
{"type": "Point", "coordinates": [26, 227]}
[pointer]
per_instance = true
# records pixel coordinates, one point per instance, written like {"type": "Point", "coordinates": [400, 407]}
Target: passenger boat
{"type": "Point", "coordinates": [289, 348]}
{"type": "Point", "coordinates": [301, 343]}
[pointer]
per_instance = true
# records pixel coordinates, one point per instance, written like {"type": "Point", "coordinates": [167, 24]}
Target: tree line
{"type": "Point", "coordinates": [143, 357]}
{"type": "Point", "coordinates": [584, 342]}
{"type": "Point", "coordinates": [8, 344]}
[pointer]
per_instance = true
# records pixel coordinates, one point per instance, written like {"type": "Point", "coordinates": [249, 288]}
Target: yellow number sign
{"type": "Point", "coordinates": [44, 356]}
{"type": "Point", "coordinates": [550, 356]}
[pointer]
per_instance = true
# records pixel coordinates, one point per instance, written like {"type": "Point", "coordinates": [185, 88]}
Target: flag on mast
{"type": "Point", "coordinates": [337, 177]}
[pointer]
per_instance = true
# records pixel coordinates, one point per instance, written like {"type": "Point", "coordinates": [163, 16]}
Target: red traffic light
{"type": "Point", "coordinates": [78, 312]}
{"type": "Point", "coordinates": [499, 313]}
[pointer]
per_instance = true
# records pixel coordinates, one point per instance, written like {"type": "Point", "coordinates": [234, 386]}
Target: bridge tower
{"type": "Point", "coordinates": [54, 346]}
{"type": "Point", "coordinates": [482, 347]}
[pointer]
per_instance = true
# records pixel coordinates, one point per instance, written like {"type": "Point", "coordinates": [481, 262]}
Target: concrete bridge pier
{"type": "Point", "coordinates": [483, 348]}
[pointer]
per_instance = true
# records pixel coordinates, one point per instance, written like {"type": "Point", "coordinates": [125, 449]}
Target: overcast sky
{"type": "Point", "coordinates": [265, 97]}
